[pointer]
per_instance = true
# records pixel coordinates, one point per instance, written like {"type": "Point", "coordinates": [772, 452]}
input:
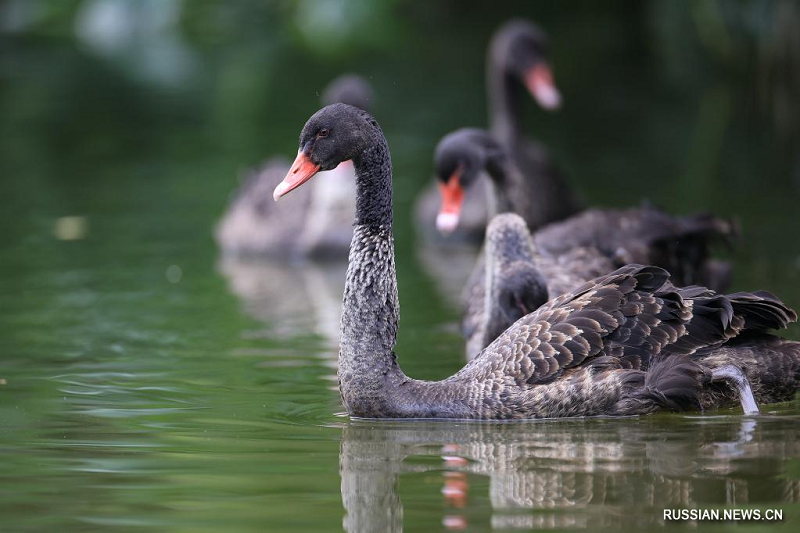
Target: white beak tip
{"type": "Point", "coordinates": [446, 222]}
{"type": "Point", "coordinates": [548, 96]}
{"type": "Point", "coordinates": [280, 190]}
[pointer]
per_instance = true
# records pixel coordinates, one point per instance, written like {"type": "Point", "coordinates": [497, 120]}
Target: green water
{"type": "Point", "coordinates": [149, 385]}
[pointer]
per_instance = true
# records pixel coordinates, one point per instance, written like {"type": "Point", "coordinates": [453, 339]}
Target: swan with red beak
{"type": "Point", "coordinates": [321, 220]}
{"type": "Point", "coordinates": [322, 148]}
{"type": "Point", "coordinates": [457, 170]}
{"type": "Point", "coordinates": [517, 55]}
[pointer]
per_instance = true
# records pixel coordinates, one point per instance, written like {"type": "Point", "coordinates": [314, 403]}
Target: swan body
{"type": "Point", "coordinates": [626, 343]}
{"type": "Point", "coordinates": [513, 279]}
{"type": "Point", "coordinates": [645, 235]}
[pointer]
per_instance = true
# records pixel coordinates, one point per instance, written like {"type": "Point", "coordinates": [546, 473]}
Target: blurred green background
{"type": "Point", "coordinates": [140, 390]}
{"type": "Point", "coordinates": [690, 105]}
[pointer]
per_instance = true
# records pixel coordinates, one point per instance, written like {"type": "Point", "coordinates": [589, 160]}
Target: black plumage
{"type": "Point", "coordinates": [513, 279]}
{"type": "Point", "coordinates": [645, 235]}
{"type": "Point", "coordinates": [596, 350]}
{"type": "Point", "coordinates": [517, 47]}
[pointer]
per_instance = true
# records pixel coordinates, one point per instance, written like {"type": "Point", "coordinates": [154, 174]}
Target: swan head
{"type": "Point", "coordinates": [348, 89]}
{"type": "Point", "coordinates": [334, 134]}
{"type": "Point", "coordinates": [460, 158]}
{"type": "Point", "coordinates": [520, 48]}
{"type": "Point", "coordinates": [519, 290]}
{"type": "Point", "coordinates": [515, 287]}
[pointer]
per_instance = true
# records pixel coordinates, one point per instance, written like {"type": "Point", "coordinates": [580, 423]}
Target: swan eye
{"type": "Point", "coordinates": [323, 132]}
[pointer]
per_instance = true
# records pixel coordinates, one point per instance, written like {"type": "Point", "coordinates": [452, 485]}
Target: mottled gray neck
{"type": "Point", "coordinates": [370, 309]}
{"type": "Point", "coordinates": [510, 258]}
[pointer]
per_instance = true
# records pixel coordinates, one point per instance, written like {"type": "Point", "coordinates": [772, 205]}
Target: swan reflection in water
{"type": "Point", "coordinates": [568, 473]}
{"type": "Point", "coordinates": [292, 299]}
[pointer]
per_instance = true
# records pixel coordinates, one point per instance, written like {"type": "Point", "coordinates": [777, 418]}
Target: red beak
{"type": "Point", "coordinates": [539, 80]}
{"type": "Point", "coordinates": [301, 171]}
{"type": "Point", "coordinates": [452, 199]}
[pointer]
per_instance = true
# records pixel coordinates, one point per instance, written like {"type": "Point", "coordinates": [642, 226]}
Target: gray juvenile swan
{"type": "Point", "coordinates": [584, 353]}
{"type": "Point", "coordinates": [319, 225]}
{"type": "Point", "coordinates": [515, 278]}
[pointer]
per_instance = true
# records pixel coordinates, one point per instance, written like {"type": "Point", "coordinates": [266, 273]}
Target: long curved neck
{"type": "Point", "coordinates": [491, 307]}
{"type": "Point", "coordinates": [540, 196]}
{"type": "Point", "coordinates": [503, 101]}
{"type": "Point", "coordinates": [503, 181]}
{"type": "Point", "coordinates": [507, 184]}
{"type": "Point", "coordinates": [509, 252]}
{"type": "Point", "coordinates": [370, 309]}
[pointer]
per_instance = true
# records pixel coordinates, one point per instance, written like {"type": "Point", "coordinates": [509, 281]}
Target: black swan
{"type": "Point", "coordinates": [517, 56]}
{"type": "Point", "coordinates": [518, 53]}
{"type": "Point", "coordinates": [321, 225]}
{"type": "Point", "coordinates": [643, 235]}
{"type": "Point", "coordinates": [626, 343]}
{"type": "Point", "coordinates": [517, 279]}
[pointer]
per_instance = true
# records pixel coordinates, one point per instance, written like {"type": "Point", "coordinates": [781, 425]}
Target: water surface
{"type": "Point", "coordinates": [150, 385]}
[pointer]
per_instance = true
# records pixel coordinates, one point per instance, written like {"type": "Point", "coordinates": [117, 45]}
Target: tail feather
{"type": "Point", "coordinates": [713, 322]}
{"type": "Point", "coordinates": [762, 310]}
{"type": "Point", "coordinates": [716, 318]}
